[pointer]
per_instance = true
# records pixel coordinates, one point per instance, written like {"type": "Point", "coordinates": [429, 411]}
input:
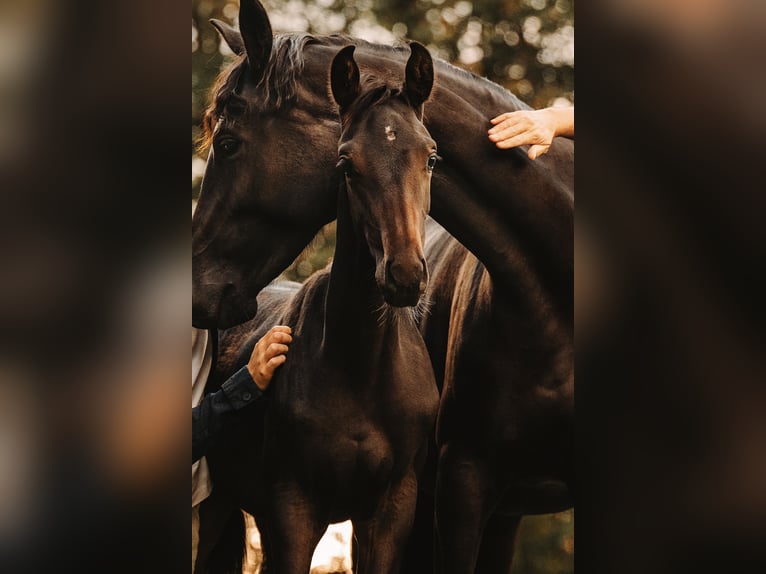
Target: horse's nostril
{"type": "Point", "coordinates": [406, 275]}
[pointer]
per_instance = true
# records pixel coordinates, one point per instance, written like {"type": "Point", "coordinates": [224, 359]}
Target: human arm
{"type": "Point", "coordinates": [247, 386]}
{"type": "Point", "coordinates": [535, 128]}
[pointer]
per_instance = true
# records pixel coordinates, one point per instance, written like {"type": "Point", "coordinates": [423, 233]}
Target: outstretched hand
{"type": "Point", "coordinates": [535, 128]}
{"type": "Point", "coordinates": [269, 353]}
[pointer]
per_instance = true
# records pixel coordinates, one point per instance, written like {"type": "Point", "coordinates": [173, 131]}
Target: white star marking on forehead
{"type": "Point", "coordinates": [390, 134]}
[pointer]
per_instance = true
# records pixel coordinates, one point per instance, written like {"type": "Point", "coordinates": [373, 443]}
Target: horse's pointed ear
{"type": "Point", "coordinates": [419, 75]}
{"type": "Point", "coordinates": [256, 34]}
{"type": "Point", "coordinates": [344, 78]}
{"type": "Point", "coordinates": [230, 35]}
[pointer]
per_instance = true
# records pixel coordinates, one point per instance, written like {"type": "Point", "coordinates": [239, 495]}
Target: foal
{"type": "Point", "coordinates": [355, 403]}
{"type": "Point", "coordinates": [353, 407]}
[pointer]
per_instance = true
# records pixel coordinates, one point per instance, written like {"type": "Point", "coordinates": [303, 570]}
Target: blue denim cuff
{"type": "Point", "coordinates": [241, 390]}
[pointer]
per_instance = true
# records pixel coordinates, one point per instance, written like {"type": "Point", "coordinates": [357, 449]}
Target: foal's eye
{"type": "Point", "coordinates": [432, 161]}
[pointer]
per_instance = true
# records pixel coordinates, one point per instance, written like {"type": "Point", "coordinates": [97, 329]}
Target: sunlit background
{"type": "Point", "coordinates": [526, 46]}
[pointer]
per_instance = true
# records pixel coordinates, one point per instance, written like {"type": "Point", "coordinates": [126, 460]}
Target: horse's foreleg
{"type": "Point", "coordinates": [291, 531]}
{"type": "Point", "coordinates": [218, 540]}
{"type": "Point", "coordinates": [382, 540]}
{"type": "Point", "coordinates": [466, 492]}
{"type": "Point", "coordinates": [498, 543]}
{"type": "Point", "coordinates": [419, 552]}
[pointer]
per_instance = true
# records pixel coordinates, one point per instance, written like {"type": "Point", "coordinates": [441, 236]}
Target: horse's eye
{"type": "Point", "coordinates": [228, 146]}
{"type": "Point", "coordinates": [344, 165]}
{"type": "Point", "coordinates": [432, 161]}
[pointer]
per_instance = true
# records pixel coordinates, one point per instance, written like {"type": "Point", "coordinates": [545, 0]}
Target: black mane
{"type": "Point", "coordinates": [278, 87]}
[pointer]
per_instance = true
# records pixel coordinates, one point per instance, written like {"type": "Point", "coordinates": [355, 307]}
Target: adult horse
{"type": "Point", "coordinates": [267, 190]}
{"type": "Point", "coordinates": [351, 413]}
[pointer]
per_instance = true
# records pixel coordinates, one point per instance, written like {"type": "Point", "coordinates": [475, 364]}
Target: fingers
{"type": "Point", "coordinates": [276, 349]}
{"type": "Point", "coordinates": [281, 329]}
{"type": "Point", "coordinates": [279, 334]}
{"type": "Point", "coordinates": [521, 117]}
{"type": "Point", "coordinates": [524, 127]}
{"type": "Point", "coordinates": [275, 362]}
{"type": "Point", "coordinates": [266, 372]}
{"type": "Point", "coordinates": [279, 337]}
{"type": "Point", "coordinates": [276, 340]}
{"type": "Point", "coordinates": [506, 131]}
{"type": "Point", "coordinates": [536, 151]}
{"type": "Point", "coordinates": [514, 129]}
{"type": "Point", "coordinates": [501, 117]}
{"type": "Point", "coordinates": [514, 139]}
{"type": "Point", "coordinates": [269, 353]}
{"type": "Point", "coordinates": [510, 126]}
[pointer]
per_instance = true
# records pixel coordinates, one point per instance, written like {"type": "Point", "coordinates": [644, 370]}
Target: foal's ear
{"type": "Point", "coordinates": [419, 75]}
{"type": "Point", "coordinates": [344, 78]}
{"type": "Point", "coordinates": [230, 35]}
{"type": "Point", "coordinates": [256, 34]}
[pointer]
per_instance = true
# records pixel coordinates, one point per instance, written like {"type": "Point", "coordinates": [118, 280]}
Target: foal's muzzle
{"type": "Point", "coordinates": [405, 281]}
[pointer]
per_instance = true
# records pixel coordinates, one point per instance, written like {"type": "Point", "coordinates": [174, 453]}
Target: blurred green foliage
{"type": "Point", "coordinates": [314, 257]}
{"type": "Point", "coordinates": [545, 544]}
{"type": "Point", "coordinates": [524, 45]}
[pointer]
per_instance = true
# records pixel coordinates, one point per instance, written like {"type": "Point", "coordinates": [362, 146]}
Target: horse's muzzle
{"type": "Point", "coordinates": [405, 281]}
{"type": "Point", "coordinates": [220, 307]}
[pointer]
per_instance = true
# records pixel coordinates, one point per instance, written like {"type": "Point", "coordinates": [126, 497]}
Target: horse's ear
{"type": "Point", "coordinates": [419, 75]}
{"type": "Point", "coordinates": [344, 78]}
{"type": "Point", "coordinates": [230, 35]}
{"type": "Point", "coordinates": [256, 34]}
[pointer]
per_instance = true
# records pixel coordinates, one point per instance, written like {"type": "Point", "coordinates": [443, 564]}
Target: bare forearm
{"type": "Point", "coordinates": [563, 119]}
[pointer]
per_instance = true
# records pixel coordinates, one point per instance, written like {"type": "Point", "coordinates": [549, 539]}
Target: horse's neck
{"type": "Point", "coordinates": [352, 298]}
{"type": "Point", "coordinates": [513, 213]}
{"type": "Point", "coordinates": [519, 272]}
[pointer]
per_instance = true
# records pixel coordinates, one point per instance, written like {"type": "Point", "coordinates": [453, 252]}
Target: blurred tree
{"type": "Point", "coordinates": [207, 57]}
{"type": "Point", "coordinates": [524, 45]}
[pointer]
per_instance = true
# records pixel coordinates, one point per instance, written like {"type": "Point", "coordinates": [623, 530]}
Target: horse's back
{"type": "Point", "coordinates": [236, 344]}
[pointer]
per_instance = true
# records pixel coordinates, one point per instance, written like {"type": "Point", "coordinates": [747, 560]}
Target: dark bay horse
{"type": "Point", "coordinates": [504, 433]}
{"type": "Point", "coordinates": [267, 190]}
{"type": "Point", "coordinates": [351, 412]}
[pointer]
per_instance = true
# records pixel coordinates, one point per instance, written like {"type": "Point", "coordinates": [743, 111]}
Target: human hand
{"type": "Point", "coordinates": [268, 354]}
{"type": "Point", "coordinates": [535, 128]}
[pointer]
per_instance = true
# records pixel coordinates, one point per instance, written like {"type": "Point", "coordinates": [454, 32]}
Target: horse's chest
{"type": "Point", "coordinates": [393, 402]}
{"type": "Point", "coordinates": [367, 456]}
{"type": "Point", "coordinates": [349, 467]}
{"type": "Point", "coordinates": [348, 435]}
{"type": "Point", "coordinates": [345, 430]}
{"type": "Point", "coordinates": [346, 441]}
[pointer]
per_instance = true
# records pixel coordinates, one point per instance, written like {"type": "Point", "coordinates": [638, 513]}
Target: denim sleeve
{"type": "Point", "coordinates": [216, 410]}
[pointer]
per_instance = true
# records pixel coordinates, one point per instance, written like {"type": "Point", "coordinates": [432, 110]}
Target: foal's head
{"type": "Point", "coordinates": [387, 157]}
